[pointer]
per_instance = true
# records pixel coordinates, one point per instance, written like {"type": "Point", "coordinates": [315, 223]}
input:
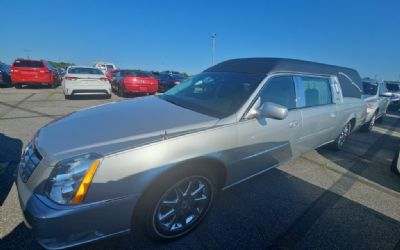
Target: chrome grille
{"type": "Point", "coordinates": [29, 161]}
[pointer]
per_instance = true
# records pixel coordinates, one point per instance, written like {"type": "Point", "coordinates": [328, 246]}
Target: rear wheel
{"type": "Point", "coordinates": [67, 97]}
{"type": "Point", "coordinates": [340, 140]}
{"type": "Point", "coordinates": [121, 92]}
{"type": "Point", "coordinates": [53, 85]}
{"type": "Point", "coordinates": [18, 85]}
{"type": "Point", "coordinates": [176, 205]}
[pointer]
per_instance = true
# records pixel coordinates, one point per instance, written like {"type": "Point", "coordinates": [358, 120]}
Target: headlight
{"type": "Point", "coordinates": [370, 107]}
{"type": "Point", "coordinates": [71, 178]}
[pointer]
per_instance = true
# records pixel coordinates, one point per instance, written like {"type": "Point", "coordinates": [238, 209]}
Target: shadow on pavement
{"type": "Point", "coordinates": [275, 210]}
{"type": "Point", "coordinates": [10, 154]}
{"type": "Point", "coordinates": [370, 155]}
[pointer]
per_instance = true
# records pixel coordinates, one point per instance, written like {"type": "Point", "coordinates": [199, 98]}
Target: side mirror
{"type": "Point", "coordinates": [386, 94]}
{"type": "Point", "coordinates": [273, 110]}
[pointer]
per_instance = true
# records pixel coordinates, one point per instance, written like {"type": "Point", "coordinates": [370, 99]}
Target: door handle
{"type": "Point", "coordinates": [293, 124]}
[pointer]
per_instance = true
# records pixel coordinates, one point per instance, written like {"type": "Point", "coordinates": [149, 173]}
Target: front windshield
{"type": "Point", "coordinates": [217, 94]}
{"type": "Point", "coordinates": [370, 88]}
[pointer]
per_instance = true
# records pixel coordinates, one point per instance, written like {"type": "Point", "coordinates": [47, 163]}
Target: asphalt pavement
{"type": "Point", "coordinates": [321, 200]}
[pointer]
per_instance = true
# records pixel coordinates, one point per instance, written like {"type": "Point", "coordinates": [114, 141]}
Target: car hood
{"type": "Point", "coordinates": [113, 127]}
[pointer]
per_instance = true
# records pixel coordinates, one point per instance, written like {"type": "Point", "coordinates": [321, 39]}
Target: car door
{"type": "Point", "coordinates": [318, 111]}
{"type": "Point", "coordinates": [266, 142]}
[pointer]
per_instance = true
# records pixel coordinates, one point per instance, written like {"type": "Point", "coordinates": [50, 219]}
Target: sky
{"type": "Point", "coordinates": [176, 35]}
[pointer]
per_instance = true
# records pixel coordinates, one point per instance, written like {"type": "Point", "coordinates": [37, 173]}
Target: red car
{"type": "Point", "coordinates": [111, 74]}
{"type": "Point", "coordinates": [26, 71]}
{"type": "Point", "coordinates": [134, 81]}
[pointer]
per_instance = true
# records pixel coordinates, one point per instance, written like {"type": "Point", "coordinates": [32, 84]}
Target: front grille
{"type": "Point", "coordinates": [29, 161]}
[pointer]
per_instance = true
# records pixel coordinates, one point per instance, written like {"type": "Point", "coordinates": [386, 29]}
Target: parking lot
{"type": "Point", "coordinates": [321, 200]}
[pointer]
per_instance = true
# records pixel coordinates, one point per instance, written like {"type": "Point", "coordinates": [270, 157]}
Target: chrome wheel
{"type": "Point", "coordinates": [343, 135]}
{"type": "Point", "coordinates": [181, 206]}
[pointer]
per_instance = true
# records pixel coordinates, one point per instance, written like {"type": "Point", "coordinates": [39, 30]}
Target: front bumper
{"type": "Point", "coordinates": [56, 226]}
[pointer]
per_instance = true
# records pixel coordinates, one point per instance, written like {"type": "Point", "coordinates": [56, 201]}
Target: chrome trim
{"type": "Point", "coordinates": [249, 177]}
{"type": "Point", "coordinates": [265, 151]}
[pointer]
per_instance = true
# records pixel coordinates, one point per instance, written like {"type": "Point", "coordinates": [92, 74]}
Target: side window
{"type": "Point", "coordinates": [280, 90]}
{"type": "Point", "coordinates": [317, 91]}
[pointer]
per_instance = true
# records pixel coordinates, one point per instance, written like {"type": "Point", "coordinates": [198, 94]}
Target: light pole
{"type": "Point", "coordinates": [213, 37]}
{"type": "Point", "coordinates": [27, 52]}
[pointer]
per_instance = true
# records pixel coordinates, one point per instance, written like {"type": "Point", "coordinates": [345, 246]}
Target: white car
{"type": "Point", "coordinates": [85, 81]}
{"type": "Point", "coordinates": [105, 66]}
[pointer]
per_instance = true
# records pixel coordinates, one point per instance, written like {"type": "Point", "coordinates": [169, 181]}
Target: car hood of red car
{"type": "Point", "coordinates": [113, 127]}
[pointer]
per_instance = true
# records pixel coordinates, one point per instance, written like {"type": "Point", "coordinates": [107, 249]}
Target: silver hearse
{"type": "Point", "coordinates": [159, 168]}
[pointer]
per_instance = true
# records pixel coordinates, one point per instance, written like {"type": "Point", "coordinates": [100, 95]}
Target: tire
{"type": "Point", "coordinates": [53, 85]}
{"type": "Point", "coordinates": [68, 97]}
{"type": "Point", "coordinates": [393, 167]}
{"type": "Point", "coordinates": [337, 145]}
{"type": "Point", "coordinates": [121, 92]}
{"type": "Point", "coordinates": [369, 125]}
{"type": "Point", "coordinates": [173, 192]}
{"type": "Point", "coordinates": [18, 85]}
{"type": "Point", "coordinates": [108, 96]}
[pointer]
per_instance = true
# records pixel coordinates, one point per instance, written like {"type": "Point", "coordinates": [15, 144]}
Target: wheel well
{"type": "Point", "coordinates": [215, 167]}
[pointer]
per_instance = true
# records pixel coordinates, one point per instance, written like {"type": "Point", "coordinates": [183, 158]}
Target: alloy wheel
{"type": "Point", "coordinates": [343, 135]}
{"type": "Point", "coordinates": [181, 206]}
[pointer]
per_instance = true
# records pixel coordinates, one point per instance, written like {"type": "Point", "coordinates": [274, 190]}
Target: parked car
{"type": "Point", "coordinates": [105, 66]}
{"type": "Point", "coordinates": [5, 75]}
{"type": "Point", "coordinates": [134, 81]}
{"type": "Point", "coordinates": [394, 88]}
{"type": "Point", "coordinates": [377, 97]}
{"type": "Point", "coordinates": [28, 72]}
{"type": "Point", "coordinates": [158, 171]}
{"type": "Point", "coordinates": [166, 81]}
{"type": "Point", "coordinates": [80, 80]}
{"type": "Point", "coordinates": [111, 74]}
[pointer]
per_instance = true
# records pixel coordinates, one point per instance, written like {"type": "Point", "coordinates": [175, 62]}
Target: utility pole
{"type": "Point", "coordinates": [27, 52]}
{"type": "Point", "coordinates": [213, 37]}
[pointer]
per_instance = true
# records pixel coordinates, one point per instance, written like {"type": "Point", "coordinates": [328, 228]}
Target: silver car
{"type": "Point", "coordinates": [377, 97]}
{"type": "Point", "coordinates": [159, 172]}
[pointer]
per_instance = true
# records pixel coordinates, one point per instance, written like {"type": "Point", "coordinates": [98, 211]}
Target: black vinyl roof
{"type": "Point", "coordinates": [349, 79]}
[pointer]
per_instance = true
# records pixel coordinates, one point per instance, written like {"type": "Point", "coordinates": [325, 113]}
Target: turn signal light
{"type": "Point", "coordinates": [84, 186]}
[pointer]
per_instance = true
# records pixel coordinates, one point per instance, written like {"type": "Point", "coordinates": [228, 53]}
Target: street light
{"type": "Point", "coordinates": [213, 37]}
{"type": "Point", "coordinates": [27, 52]}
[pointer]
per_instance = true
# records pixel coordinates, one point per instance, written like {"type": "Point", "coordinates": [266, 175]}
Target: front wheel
{"type": "Point", "coordinates": [339, 141]}
{"type": "Point", "coordinates": [18, 85]}
{"type": "Point", "coordinates": [177, 204]}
